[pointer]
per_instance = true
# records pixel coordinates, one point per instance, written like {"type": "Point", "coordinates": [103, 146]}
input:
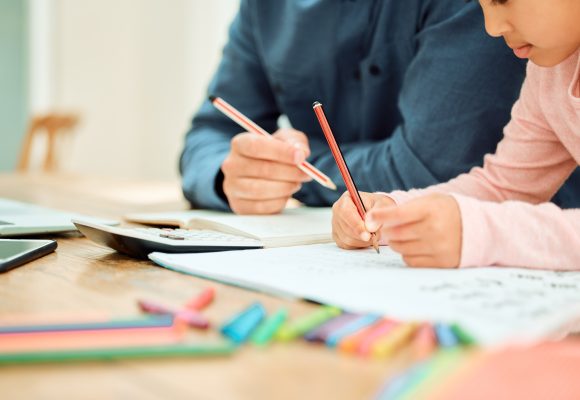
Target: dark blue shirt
{"type": "Point", "coordinates": [415, 91]}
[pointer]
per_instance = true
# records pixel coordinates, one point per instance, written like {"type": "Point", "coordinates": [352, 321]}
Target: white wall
{"type": "Point", "coordinates": [135, 70]}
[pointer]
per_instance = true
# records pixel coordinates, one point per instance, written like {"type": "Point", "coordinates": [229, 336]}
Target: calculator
{"type": "Point", "coordinates": [140, 242]}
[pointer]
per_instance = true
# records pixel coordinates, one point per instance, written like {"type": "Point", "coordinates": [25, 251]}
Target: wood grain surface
{"type": "Point", "coordinates": [82, 278]}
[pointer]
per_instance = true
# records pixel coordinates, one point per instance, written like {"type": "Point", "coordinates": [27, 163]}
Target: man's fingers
{"type": "Point", "coordinates": [259, 189]}
{"type": "Point", "coordinates": [295, 138]}
{"type": "Point", "coordinates": [256, 146]}
{"type": "Point", "coordinates": [243, 167]}
{"type": "Point", "coordinates": [248, 207]}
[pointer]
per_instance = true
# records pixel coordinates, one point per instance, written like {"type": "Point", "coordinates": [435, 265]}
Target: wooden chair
{"type": "Point", "coordinates": [54, 126]}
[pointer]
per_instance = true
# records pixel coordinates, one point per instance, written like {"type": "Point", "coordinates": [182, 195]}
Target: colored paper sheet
{"type": "Point", "coordinates": [547, 371]}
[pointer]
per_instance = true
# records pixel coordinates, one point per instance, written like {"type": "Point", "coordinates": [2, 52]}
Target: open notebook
{"type": "Point", "coordinates": [295, 226]}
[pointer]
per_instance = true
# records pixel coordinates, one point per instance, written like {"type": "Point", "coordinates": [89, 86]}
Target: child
{"type": "Point", "coordinates": [506, 219]}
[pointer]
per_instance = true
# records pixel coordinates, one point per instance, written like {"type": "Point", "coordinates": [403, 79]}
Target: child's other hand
{"type": "Point", "coordinates": [425, 231]}
{"type": "Point", "coordinates": [348, 229]}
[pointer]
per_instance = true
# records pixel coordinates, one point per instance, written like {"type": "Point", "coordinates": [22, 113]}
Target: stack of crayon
{"type": "Point", "coordinates": [366, 335]}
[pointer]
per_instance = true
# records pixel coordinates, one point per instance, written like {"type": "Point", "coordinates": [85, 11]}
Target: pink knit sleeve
{"type": "Point", "coordinates": [519, 234]}
{"type": "Point", "coordinates": [501, 224]}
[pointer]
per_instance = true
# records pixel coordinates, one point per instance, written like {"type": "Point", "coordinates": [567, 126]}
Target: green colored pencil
{"type": "Point", "coordinates": [303, 325]}
{"type": "Point", "coordinates": [178, 350]}
{"type": "Point", "coordinates": [267, 329]}
{"type": "Point", "coordinates": [464, 337]}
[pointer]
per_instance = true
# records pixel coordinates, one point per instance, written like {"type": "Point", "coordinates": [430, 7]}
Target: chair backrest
{"type": "Point", "coordinates": [54, 126]}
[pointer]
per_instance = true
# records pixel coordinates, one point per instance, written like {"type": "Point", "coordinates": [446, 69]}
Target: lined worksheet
{"type": "Point", "coordinates": [494, 304]}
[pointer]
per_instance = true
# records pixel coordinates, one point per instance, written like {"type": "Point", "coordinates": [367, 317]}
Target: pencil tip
{"type": "Point", "coordinates": [211, 98]}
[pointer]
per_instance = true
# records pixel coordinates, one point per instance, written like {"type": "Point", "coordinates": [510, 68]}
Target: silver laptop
{"type": "Point", "coordinates": [21, 219]}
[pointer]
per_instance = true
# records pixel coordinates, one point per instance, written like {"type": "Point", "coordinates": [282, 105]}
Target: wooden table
{"type": "Point", "coordinates": [83, 278]}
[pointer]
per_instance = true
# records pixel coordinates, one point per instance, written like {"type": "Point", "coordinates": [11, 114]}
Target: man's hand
{"type": "Point", "coordinates": [425, 231]}
{"type": "Point", "coordinates": [348, 228]}
{"type": "Point", "coordinates": [261, 174]}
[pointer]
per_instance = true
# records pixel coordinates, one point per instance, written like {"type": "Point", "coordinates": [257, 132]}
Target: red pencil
{"type": "Point", "coordinates": [251, 126]}
{"type": "Point", "coordinates": [338, 157]}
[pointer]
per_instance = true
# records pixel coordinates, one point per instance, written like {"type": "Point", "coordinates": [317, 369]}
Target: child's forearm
{"type": "Point", "coordinates": [518, 234]}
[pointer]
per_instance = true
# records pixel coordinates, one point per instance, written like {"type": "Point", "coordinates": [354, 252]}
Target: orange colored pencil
{"type": "Point", "coordinates": [246, 123]}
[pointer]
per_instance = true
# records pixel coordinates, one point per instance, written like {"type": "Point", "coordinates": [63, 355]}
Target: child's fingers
{"type": "Point", "coordinates": [388, 217]}
{"type": "Point", "coordinates": [345, 238]}
{"type": "Point", "coordinates": [410, 248]}
{"type": "Point", "coordinates": [420, 261]}
{"type": "Point", "coordinates": [404, 233]}
{"type": "Point", "coordinates": [350, 220]}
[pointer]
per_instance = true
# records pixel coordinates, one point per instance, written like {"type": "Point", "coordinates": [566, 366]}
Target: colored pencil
{"type": "Point", "coordinates": [138, 322]}
{"type": "Point", "coordinates": [190, 317]}
{"type": "Point", "coordinates": [201, 301]}
{"type": "Point", "coordinates": [394, 341]}
{"type": "Point", "coordinates": [176, 350]}
{"type": "Point", "coordinates": [343, 168]}
{"type": "Point", "coordinates": [307, 323]}
{"type": "Point", "coordinates": [240, 326]}
{"type": "Point", "coordinates": [246, 123]}
{"type": "Point", "coordinates": [267, 329]}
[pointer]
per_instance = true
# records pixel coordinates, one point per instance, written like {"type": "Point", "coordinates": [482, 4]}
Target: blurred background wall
{"type": "Point", "coordinates": [134, 71]}
{"type": "Point", "coordinates": [13, 79]}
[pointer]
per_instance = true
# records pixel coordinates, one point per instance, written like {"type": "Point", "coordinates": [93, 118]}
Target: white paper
{"type": "Point", "coordinates": [495, 305]}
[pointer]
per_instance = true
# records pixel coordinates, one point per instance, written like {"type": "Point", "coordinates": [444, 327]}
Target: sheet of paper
{"type": "Point", "coordinates": [493, 304]}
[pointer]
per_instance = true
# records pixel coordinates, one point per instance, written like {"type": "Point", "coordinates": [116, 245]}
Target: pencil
{"type": "Point", "coordinates": [343, 168]}
{"type": "Point", "coordinates": [170, 350]}
{"type": "Point", "coordinates": [246, 123]}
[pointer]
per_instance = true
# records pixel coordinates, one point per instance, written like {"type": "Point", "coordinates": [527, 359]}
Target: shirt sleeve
{"type": "Point", "coordinates": [241, 79]}
{"type": "Point", "coordinates": [505, 218]}
{"type": "Point", "coordinates": [453, 105]}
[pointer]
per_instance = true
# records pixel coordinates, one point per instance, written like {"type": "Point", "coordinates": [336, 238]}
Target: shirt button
{"type": "Point", "coordinates": [374, 70]}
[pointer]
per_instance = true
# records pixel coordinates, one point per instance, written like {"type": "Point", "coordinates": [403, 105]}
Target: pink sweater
{"type": "Point", "coordinates": [507, 219]}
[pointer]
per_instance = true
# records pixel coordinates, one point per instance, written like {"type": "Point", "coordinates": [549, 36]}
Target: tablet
{"type": "Point", "coordinates": [14, 253]}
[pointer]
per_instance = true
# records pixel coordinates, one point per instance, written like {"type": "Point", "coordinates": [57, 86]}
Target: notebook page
{"type": "Point", "coordinates": [293, 225]}
{"type": "Point", "coordinates": [493, 304]}
{"type": "Point", "coordinates": [300, 222]}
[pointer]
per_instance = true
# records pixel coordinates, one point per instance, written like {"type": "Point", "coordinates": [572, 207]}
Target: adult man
{"type": "Point", "coordinates": [415, 91]}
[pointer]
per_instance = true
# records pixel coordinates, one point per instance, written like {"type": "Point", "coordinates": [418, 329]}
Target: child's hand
{"type": "Point", "coordinates": [348, 228]}
{"type": "Point", "coordinates": [425, 231]}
